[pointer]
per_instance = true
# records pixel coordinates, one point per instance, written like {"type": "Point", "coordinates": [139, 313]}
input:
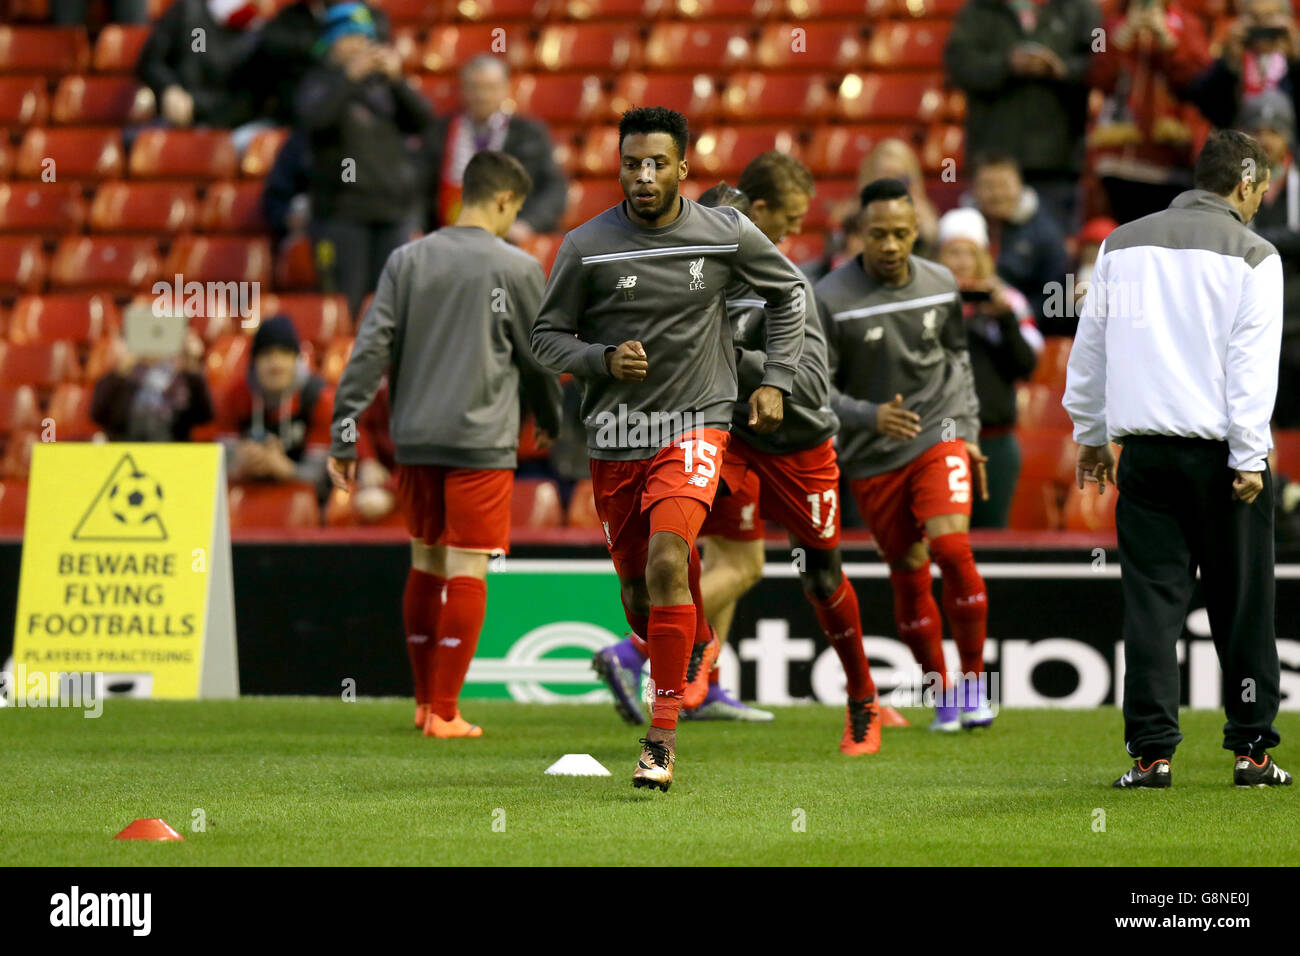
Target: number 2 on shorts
{"type": "Point", "coordinates": [958, 479]}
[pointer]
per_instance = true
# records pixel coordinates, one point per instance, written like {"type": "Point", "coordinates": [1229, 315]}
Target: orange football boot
{"type": "Point", "coordinates": [861, 728]}
{"type": "Point", "coordinates": [458, 726]}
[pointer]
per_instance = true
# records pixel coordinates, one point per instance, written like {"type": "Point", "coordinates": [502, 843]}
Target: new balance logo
{"type": "Point", "coordinates": [449, 642]}
{"type": "Point", "coordinates": [625, 282]}
{"type": "Point", "coordinates": [697, 274]}
{"type": "Point", "coordinates": [874, 334]}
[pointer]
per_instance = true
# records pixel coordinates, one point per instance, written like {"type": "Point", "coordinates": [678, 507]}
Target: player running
{"type": "Point", "coordinates": [909, 417]}
{"type": "Point", "coordinates": [449, 324]}
{"type": "Point", "coordinates": [635, 309]}
{"type": "Point", "coordinates": [790, 476]}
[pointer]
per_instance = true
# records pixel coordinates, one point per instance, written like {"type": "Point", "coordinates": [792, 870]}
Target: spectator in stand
{"type": "Point", "coordinates": [366, 181]}
{"type": "Point", "coordinates": [485, 124]}
{"type": "Point", "coordinates": [286, 53]}
{"type": "Point", "coordinates": [1259, 54]}
{"type": "Point", "coordinates": [286, 203]}
{"type": "Point", "coordinates": [281, 412]}
{"type": "Point", "coordinates": [894, 159]}
{"type": "Point", "coordinates": [1088, 242]}
{"type": "Point", "coordinates": [204, 84]}
{"type": "Point", "coordinates": [1269, 118]}
{"type": "Point", "coordinates": [1026, 244]}
{"type": "Point", "coordinates": [1023, 65]}
{"type": "Point", "coordinates": [159, 399]}
{"type": "Point", "coordinates": [1003, 341]}
{"type": "Point", "coordinates": [1144, 142]}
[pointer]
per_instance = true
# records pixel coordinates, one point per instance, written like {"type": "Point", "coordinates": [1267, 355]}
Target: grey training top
{"type": "Point", "coordinates": [449, 324]}
{"type": "Point", "coordinates": [615, 280]}
{"type": "Point", "coordinates": [888, 340]}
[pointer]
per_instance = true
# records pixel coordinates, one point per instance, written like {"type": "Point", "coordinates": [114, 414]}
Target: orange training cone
{"type": "Point", "coordinates": [149, 830]}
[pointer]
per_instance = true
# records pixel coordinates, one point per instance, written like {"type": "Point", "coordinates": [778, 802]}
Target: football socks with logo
{"type": "Point", "coordinates": [421, 605]}
{"type": "Point", "coordinates": [842, 624]}
{"type": "Point", "coordinates": [965, 602]}
{"type": "Point", "coordinates": [459, 626]}
{"type": "Point", "coordinates": [917, 617]}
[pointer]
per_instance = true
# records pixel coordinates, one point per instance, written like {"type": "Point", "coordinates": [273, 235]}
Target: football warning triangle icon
{"type": "Point", "coordinates": [127, 507]}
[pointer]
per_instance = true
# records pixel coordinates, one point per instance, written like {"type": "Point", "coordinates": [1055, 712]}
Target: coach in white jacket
{"type": "Point", "coordinates": [1176, 358]}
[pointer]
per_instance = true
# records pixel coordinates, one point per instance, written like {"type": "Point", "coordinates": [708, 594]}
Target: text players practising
{"type": "Point", "coordinates": [789, 476]}
{"type": "Point", "coordinates": [449, 325]}
{"type": "Point", "coordinates": [635, 309]}
{"type": "Point", "coordinates": [909, 420]}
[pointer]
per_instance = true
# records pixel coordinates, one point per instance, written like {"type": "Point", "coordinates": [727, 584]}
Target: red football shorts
{"type": "Point", "coordinates": [897, 504]}
{"type": "Point", "coordinates": [465, 508]}
{"type": "Point", "coordinates": [626, 491]}
{"type": "Point", "coordinates": [798, 490]}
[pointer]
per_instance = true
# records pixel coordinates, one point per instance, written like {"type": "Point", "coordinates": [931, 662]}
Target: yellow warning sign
{"type": "Point", "coordinates": [126, 570]}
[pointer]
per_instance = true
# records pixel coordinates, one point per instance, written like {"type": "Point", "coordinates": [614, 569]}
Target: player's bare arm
{"type": "Point", "coordinates": [628, 362]}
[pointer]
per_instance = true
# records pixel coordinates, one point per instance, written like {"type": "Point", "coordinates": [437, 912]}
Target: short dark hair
{"type": "Point", "coordinates": [883, 190]}
{"type": "Point", "coordinates": [769, 176]}
{"type": "Point", "coordinates": [1225, 159]}
{"type": "Point", "coordinates": [725, 194]}
{"type": "Point", "coordinates": [489, 172]}
{"type": "Point", "coordinates": [655, 119]}
{"type": "Point", "coordinates": [994, 157]}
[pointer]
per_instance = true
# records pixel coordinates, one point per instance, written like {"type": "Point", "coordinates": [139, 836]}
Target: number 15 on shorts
{"type": "Point", "coordinates": [700, 460]}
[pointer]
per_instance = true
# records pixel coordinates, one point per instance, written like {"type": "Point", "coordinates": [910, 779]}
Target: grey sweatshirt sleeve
{"type": "Point", "coordinates": [539, 386]}
{"type": "Point", "coordinates": [857, 413]}
{"type": "Point", "coordinates": [751, 364]}
{"type": "Point", "coordinates": [555, 339]}
{"type": "Point", "coordinates": [773, 279]}
{"type": "Point", "coordinates": [953, 339]}
{"type": "Point", "coordinates": [372, 354]}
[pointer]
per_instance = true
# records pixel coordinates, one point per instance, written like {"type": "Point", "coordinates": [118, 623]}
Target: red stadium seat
{"type": "Point", "coordinates": [42, 365]}
{"type": "Point", "coordinates": [536, 504]}
{"type": "Point", "coordinates": [17, 461]}
{"type": "Point", "coordinates": [943, 149]}
{"type": "Point", "coordinates": [1039, 406]}
{"type": "Point", "coordinates": [872, 97]}
{"type": "Point", "coordinates": [450, 47]}
{"type": "Point", "coordinates": [804, 247]}
{"type": "Point", "coordinates": [48, 208]}
{"type": "Point", "coordinates": [1053, 360]}
{"type": "Point", "coordinates": [335, 358]}
{"type": "Point", "coordinates": [90, 153]}
{"type": "Point", "coordinates": [1088, 511]}
{"type": "Point", "coordinates": [582, 506]}
{"type": "Point", "coordinates": [726, 9]}
{"type": "Point", "coordinates": [1286, 443]}
{"type": "Point", "coordinates": [111, 264]}
{"type": "Point", "coordinates": [690, 93]}
{"type": "Point", "coordinates": [634, 11]}
{"type": "Point", "coordinates": [812, 46]}
{"type": "Point", "coordinates": [22, 264]}
{"type": "Point", "coordinates": [317, 318]}
{"type": "Point", "coordinates": [568, 98]}
{"type": "Point", "coordinates": [772, 96]}
{"type": "Point", "coordinates": [220, 259]}
{"type": "Point", "coordinates": [724, 151]}
{"type": "Point", "coordinates": [832, 196]}
{"type": "Point", "coordinates": [6, 158]}
{"type": "Point", "coordinates": [233, 207]}
{"type": "Point", "coordinates": [840, 150]}
{"type": "Point", "coordinates": [143, 207]}
{"type": "Point", "coordinates": [80, 317]}
{"type": "Point", "coordinates": [588, 46]}
{"type": "Point", "coordinates": [106, 354]}
{"type": "Point", "coordinates": [19, 409]}
{"type": "Point", "coordinates": [226, 360]}
{"type": "Point", "coordinates": [295, 266]}
{"type": "Point", "coordinates": [493, 11]}
{"type": "Point", "coordinates": [118, 46]}
{"type": "Point", "coordinates": [867, 10]}
{"type": "Point", "coordinates": [260, 154]}
{"type": "Point", "coordinates": [589, 198]}
{"type": "Point", "coordinates": [937, 9]}
{"type": "Point", "coordinates": [416, 12]}
{"type": "Point", "coordinates": [908, 46]}
{"type": "Point", "coordinates": [23, 101]}
{"type": "Point", "coordinates": [106, 100]}
{"type": "Point", "coordinates": [13, 506]}
{"type": "Point", "coordinates": [44, 49]}
{"type": "Point", "coordinates": [70, 410]}
{"type": "Point", "coordinates": [442, 90]}
{"type": "Point", "coordinates": [702, 46]}
{"type": "Point", "coordinates": [599, 155]}
{"type": "Point", "coordinates": [1035, 506]}
{"type": "Point", "coordinates": [183, 154]}
{"type": "Point", "coordinates": [543, 247]}
{"type": "Point", "coordinates": [270, 506]}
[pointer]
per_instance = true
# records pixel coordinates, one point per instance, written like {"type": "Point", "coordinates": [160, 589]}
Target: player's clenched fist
{"type": "Point", "coordinates": [896, 421]}
{"type": "Point", "coordinates": [766, 409]}
{"type": "Point", "coordinates": [628, 363]}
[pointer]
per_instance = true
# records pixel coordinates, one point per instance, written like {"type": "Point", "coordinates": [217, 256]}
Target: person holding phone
{"type": "Point", "coordinates": [1260, 52]}
{"type": "Point", "coordinates": [1003, 341]}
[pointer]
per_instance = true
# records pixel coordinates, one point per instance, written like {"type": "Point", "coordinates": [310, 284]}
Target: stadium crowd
{"type": "Point", "coordinates": [1024, 131]}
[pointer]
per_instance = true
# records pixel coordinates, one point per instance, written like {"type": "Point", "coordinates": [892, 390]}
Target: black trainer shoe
{"type": "Point", "coordinates": [1249, 772]}
{"type": "Point", "coordinates": [1154, 776]}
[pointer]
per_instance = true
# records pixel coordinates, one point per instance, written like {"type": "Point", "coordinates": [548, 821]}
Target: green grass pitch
{"type": "Point", "coordinates": [294, 781]}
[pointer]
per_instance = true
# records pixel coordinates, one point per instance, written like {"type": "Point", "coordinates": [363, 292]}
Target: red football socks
{"type": "Point", "coordinates": [842, 624]}
{"type": "Point", "coordinates": [421, 604]}
{"type": "Point", "coordinates": [965, 602]}
{"type": "Point", "coordinates": [459, 626]}
{"type": "Point", "coordinates": [672, 632]}
{"type": "Point", "coordinates": [917, 617]}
